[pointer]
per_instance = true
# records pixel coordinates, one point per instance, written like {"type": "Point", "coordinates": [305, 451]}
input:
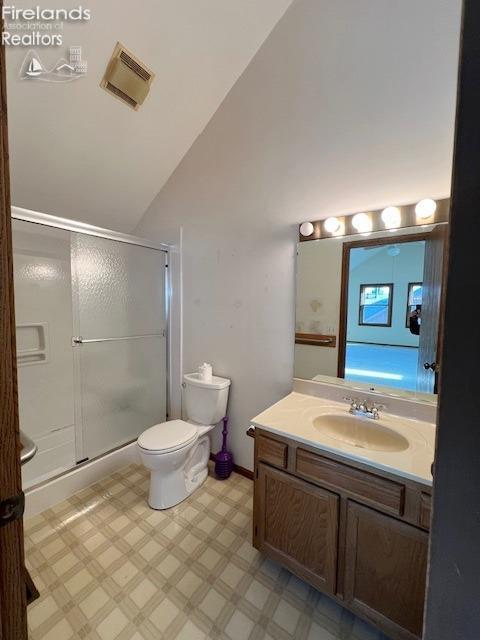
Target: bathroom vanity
{"type": "Point", "coordinates": [344, 502]}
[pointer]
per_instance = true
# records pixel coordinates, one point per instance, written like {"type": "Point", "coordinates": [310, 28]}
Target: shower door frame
{"type": "Point", "coordinates": [45, 219]}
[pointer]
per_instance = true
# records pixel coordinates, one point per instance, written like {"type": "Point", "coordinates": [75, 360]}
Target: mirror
{"type": "Point", "coordinates": [368, 310]}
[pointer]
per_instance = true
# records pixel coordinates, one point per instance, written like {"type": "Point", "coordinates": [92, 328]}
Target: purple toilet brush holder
{"type": "Point", "coordinates": [224, 458]}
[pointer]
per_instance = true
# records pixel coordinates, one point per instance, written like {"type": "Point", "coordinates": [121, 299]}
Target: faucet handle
{"type": "Point", "coordinates": [363, 406]}
{"type": "Point", "coordinates": [375, 410]}
{"type": "Point", "coordinates": [353, 403]}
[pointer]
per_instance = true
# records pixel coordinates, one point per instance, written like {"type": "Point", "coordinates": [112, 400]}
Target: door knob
{"type": "Point", "coordinates": [430, 365]}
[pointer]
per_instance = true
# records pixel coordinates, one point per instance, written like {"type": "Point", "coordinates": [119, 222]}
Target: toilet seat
{"type": "Point", "coordinates": [167, 437]}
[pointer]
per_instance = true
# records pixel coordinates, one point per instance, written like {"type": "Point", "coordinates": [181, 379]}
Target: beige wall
{"type": "Point", "coordinates": [319, 283]}
{"type": "Point", "coordinates": [348, 105]}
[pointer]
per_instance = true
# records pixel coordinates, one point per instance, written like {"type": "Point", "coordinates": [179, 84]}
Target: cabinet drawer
{"type": "Point", "coordinates": [387, 494]}
{"type": "Point", "coordinates": [425, 510]}
{"type": "Point", "coordinates": [272, 451]}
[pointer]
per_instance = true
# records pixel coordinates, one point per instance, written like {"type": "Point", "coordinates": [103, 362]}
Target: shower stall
{"type": "Point", "coordinates": [91, 312]}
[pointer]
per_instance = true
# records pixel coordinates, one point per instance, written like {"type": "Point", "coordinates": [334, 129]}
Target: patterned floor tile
{"type": "Point", "coordinates": [110, 568]}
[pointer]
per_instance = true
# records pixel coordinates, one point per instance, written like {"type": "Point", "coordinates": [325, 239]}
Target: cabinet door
{"type": "Point", "coordinates": [385, 571]}
{"type": "Point", "coordinates": [297, 526]}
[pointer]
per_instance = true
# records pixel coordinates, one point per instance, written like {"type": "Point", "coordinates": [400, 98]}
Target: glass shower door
{"type": "Point", "coordinates": [120, 329]}
{"type": "Point", "coordinates": [43, 309]}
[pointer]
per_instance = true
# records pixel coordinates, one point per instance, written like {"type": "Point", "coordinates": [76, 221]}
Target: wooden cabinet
{"type": "Point", "coordinates": [298, 526]}
{"type": "Point", "coordinates": [351, 531]}
{"type": "Point", "coordinates": [385, 570]}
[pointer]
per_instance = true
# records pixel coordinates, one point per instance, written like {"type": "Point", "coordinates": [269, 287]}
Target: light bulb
{"type": "Point", "coordinates": [306, 229]}
{"type": "Point", "coordinates": [332, 225]}
{"type": "Point", "coordinates": [391, 217]}
{"type": "Point", "coordinates": [393, 250]}
{"type": "Point", "coordinates": [425, 208]}
{"type": "Point", "coordinates": [362, 222]}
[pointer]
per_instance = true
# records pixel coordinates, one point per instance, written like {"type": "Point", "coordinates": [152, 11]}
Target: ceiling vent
{"type": "Point", "coordinates": [127, 78]}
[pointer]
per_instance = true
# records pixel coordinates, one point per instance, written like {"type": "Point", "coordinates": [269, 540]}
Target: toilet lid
{"type": "Point", "coordinates": [167, 436]}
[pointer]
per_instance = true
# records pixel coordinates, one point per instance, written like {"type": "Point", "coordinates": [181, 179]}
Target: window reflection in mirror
{"type": "Point", "coordinates": [368, 310]}
{"type": "Point", "coordinates": [375, 306]}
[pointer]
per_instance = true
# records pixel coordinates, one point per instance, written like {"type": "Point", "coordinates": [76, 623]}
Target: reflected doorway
{"type": "Point", "coordinates": [389, 320]}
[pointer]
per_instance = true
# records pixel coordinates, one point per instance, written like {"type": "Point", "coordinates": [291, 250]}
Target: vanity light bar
{"type": "Point", "coordinates": [426, 211]}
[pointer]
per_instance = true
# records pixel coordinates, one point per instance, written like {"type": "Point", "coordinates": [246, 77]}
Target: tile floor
{"type": "Point", "coordinates": [108, 567]}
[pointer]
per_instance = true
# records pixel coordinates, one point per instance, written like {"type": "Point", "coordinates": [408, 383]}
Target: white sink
{"type": "Point", "coordinates": [364, 433]}
{"type": "Point", "coordinates": [394, 443]}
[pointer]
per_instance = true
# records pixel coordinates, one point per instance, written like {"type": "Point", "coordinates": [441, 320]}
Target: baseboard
{"type": "Point", "coordinates": [51, 492]}
{"type": "Point", "coordinates": [246, 473]}
{"type": "Point", "coordinates": [243, 472]}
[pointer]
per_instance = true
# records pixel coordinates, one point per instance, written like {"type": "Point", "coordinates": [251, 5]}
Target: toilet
{"type": "Point", "coordinates": [177, 452]}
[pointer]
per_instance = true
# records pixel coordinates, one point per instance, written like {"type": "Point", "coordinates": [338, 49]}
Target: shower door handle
{"type": "Point", "coordinates": [29, 448]}
{"type": "Point", "coordinates": [76, 340]}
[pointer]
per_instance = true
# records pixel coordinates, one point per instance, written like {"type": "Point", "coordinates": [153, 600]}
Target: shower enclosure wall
{"type": "Point", "coordinates": [91, 314]}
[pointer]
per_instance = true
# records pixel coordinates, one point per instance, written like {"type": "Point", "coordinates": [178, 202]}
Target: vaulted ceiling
{"type": "Point", "coordinates": [76, 152]}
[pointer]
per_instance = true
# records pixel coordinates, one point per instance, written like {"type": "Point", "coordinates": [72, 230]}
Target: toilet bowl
{"type": "Point", "coordinates": [177, 465]}
{"type": "Point", "coordinates": [176, 452]}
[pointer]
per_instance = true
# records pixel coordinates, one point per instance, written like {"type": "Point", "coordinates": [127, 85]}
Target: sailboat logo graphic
{"type": "Point", "coordinates": [63, 71]}
{"type": "Point", "coordinates": [34, 68]}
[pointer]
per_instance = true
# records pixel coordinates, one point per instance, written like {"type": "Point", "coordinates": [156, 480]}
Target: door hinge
{"type": "Point", "coordinates": [12, 509]}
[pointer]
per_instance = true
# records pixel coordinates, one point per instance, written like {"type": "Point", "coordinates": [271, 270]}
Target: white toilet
{"type": "Point", "coordinates": [177, 452]}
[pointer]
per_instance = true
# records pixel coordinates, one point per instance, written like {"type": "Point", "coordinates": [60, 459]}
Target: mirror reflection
{"type": "Point", "coordinates": [388, 286]}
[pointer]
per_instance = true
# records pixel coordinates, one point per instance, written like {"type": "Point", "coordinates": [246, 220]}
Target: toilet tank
{"type": "Point", "coordinates": [206, 401]}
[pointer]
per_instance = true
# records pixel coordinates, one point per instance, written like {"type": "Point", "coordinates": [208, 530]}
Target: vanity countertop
{"type": "Point", "coordinates": [294, 417]}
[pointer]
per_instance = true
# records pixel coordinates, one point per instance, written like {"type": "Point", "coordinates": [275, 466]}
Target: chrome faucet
{"type": "Point", "coordinates": [362, 408]}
